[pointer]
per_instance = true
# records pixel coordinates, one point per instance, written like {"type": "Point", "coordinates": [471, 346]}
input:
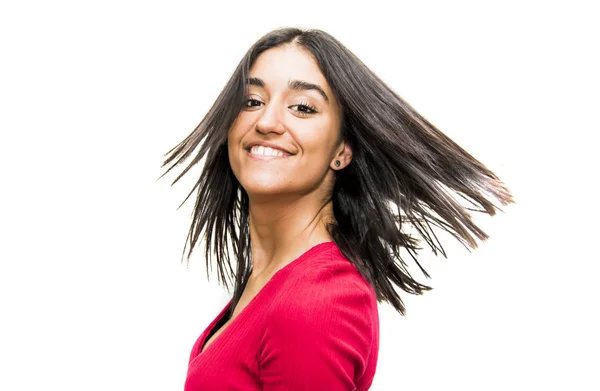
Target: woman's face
{"type": "Point", "coordinates": [286, 139]}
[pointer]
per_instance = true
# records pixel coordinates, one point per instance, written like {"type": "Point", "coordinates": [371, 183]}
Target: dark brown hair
{"type": "Point", "coordinates": [404, 173]}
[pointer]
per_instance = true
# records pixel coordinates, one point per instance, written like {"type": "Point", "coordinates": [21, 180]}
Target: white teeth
{"type": "Point", "coordinates": [265, 151]}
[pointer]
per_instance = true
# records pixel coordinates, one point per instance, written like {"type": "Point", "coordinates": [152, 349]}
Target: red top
{"type": "Point", "coordinates": [313, 326]}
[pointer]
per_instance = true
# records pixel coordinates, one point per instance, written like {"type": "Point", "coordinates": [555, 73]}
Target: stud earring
{"type": "Point", "coordinates": [337, 163]}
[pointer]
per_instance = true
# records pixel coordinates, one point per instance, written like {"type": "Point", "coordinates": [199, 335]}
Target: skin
{"type": "Point", "coordinates": [289, 196]}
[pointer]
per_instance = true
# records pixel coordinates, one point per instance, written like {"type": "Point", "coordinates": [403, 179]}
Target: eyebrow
{"type": "Point", "coordinates": [297, 85]}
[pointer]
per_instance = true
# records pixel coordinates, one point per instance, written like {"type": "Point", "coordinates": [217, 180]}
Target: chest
{"type": "Point", "coordinates": [250, 291]}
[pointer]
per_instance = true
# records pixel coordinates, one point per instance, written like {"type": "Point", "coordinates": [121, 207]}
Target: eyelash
{"type": "Point", "coordinates": [312, 109]}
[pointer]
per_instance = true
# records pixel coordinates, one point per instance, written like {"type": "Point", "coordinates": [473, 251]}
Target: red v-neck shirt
{"type": "Point", "coordinates": [313, 326]}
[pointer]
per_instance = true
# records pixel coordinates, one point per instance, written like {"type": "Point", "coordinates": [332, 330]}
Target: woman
{"type": "Point", "coordinates": [313, 170]}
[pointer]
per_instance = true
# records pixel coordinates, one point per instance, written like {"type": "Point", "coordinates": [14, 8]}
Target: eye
{"type": "Point", "coordinates": [250, 102]}
{"type": "Point", "coordinates": [305, 108]}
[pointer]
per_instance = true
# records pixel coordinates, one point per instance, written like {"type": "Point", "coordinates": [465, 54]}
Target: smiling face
{"type": "Point", "coordinates": [286, 140]}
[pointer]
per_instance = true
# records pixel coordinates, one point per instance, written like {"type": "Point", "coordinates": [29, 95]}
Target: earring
{"type": "Point", "coordinates": [337, 163]}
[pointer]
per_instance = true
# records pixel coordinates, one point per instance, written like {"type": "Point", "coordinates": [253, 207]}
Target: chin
{"type": "Point", "coordinates": [258, 188]}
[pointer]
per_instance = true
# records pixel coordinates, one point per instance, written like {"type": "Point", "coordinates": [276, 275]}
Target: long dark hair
{"type": "Point", "coordinates": [404, 173]}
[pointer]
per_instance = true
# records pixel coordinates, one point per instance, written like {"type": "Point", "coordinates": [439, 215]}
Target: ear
{"type": "Point", "coordinates": [343, 155]}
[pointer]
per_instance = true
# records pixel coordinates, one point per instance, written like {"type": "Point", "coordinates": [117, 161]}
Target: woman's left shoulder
{"type": "Point", "coordinates": [333, 269]}
{"type": "Point", "coordinates": [329, 280]}
{"type": "Point", "coordinates": [323, 326]}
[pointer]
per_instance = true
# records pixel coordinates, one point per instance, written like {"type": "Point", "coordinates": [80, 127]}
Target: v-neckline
{"type": "Point", "coordinates": [202, 349]}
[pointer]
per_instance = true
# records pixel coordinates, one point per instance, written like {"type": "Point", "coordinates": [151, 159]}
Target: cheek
{"type": "Point", "coordinates": [236, 133]}
{"type": "Point", "coordinates": [234, 149]}
{"type": "Point", "coordinates": [321, 141]}
{"type": "Point", "coordinates": [241, 123]}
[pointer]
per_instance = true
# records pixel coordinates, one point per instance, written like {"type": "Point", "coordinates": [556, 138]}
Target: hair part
{"type": "Point", "coordinates": [404, 173]}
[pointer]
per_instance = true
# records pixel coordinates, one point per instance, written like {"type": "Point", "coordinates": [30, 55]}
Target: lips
{"type": "Point", "coordinates": [259, 150]}
{"type": "Point", "coordinates": [270, 149]}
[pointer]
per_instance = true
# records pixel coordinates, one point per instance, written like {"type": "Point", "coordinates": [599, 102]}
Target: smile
{"type": "Point", "coordinates": [261, 152]}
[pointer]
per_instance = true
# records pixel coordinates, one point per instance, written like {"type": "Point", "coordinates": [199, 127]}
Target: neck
{"type": "Point", "coordinates": [283, 229]}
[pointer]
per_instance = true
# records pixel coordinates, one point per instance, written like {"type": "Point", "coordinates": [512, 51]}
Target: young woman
{"type": "Point", "coordinates": [313, 170]}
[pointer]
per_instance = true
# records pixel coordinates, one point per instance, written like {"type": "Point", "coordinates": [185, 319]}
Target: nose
{"type": "Point", "coordinates": [271, 120]}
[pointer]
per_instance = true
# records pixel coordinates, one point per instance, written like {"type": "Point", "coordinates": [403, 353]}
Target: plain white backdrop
{"type": "Point", "coordinates": [92, 292]}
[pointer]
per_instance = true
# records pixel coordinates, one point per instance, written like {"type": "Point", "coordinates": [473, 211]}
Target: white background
{"type": "Point", "coordinates": [92, 292]}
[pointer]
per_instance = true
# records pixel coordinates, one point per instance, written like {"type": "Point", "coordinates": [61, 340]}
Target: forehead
{"type": "Point", "coordinates": [277, 66]}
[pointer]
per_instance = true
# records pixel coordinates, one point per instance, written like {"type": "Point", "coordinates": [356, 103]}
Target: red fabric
{"type": "Point", "coordinates": [314, 326]}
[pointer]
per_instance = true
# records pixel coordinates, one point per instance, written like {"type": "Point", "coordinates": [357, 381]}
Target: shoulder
{"type": "Point", "coordinates": [323, 319]}
{"type": "Point", "coordinates": [325, 283]}
{"type": "Point", "coordinates": [326, 300]}
{"type": "Point", "coordinates": [324, 295]}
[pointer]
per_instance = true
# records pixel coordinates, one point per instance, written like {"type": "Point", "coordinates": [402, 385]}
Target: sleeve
{"type": "Point", "coordinates": [318, 337]}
